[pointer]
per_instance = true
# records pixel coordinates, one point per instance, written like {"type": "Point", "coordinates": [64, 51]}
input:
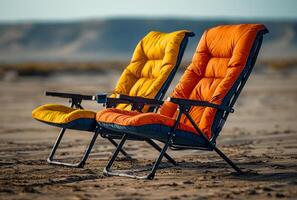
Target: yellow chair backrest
{"type": "Point", "coordinates": [154, 58]}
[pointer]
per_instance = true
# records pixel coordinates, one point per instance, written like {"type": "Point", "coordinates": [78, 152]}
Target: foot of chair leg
{"type": "Point", "coordinates": [109, 173]}
{"type": "Point", "coordinates": [106, 172]}
{"type": "Point", "coordinates": [76, 165]}
{"type": "Point", "coordinates": [233, 165]}
{"type": "Point", "coordinates": [151, 176]}
{"type": "Point", "coordinates": [213, 146]}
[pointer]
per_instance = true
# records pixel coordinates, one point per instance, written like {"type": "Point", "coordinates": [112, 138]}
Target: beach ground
{"type": "Point", "coordinates": [261, 136]}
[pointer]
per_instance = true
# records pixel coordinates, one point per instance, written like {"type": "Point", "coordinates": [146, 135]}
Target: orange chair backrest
{"type": "Point", "coordinates": [218, 61]}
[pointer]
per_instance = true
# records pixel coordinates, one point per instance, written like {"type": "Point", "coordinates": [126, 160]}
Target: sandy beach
{"type": "Point", "coordinates": [261, 136]}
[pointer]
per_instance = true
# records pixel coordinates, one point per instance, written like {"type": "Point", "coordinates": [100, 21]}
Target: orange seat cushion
{"type": "Point", "coordinates": [134, 118]}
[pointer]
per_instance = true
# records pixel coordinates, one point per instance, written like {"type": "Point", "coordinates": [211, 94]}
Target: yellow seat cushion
{"type": "Point", "coordinates": [65, 117]}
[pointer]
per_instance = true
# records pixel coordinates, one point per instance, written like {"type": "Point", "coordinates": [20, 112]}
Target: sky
{"type": "Point", "coordinates": [57, 10]}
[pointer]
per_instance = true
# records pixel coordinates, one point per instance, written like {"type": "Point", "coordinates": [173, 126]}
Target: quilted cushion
{"type": "Point", "coordinates": [65, 117]}
{"type": "Point", "coordinates": [134, 118]}
{"type": "Point", "coordinates": [218, 61]}
{"type": "Point", "coordinates": [150, 125]}
{"type": "Point", "coordinates": [153, 60]}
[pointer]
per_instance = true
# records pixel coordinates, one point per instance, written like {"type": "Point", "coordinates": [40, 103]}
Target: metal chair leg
{"type": "Point", "coordinates": [214, 147]}
{"type": "Point", "coordinates": [156, 146]}
{"type": "Point", "coordinates": [58, 140]}
{"type": "Point", "coordinates": [151, 175]}
{"type": "Point", "coordinates": [121, 150]}
{"type": "Point", "coordinates": [115, 154]}
{"type": "Point", "coordinates": [81, 163]}
{"type": "Point", "coordinates": [108, 172]}
{"type": "Point", "coordinates": [232, 164]}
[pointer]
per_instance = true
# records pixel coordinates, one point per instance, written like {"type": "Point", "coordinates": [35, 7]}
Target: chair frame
{"type": "Point", "coordinates": [184, 105]}
{"type": "Point", "coordinates": [75, 101]}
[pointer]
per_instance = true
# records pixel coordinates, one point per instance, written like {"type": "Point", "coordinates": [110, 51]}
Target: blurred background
{"type": "Point", "coordinates": [43, 37]}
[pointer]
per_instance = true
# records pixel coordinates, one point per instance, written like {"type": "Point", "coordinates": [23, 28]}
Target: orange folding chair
{"type": "Point", "coordinates": [199, 105]}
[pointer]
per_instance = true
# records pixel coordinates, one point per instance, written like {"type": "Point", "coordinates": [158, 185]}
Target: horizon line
{"type": "Point", "coordinates": [143, 17]}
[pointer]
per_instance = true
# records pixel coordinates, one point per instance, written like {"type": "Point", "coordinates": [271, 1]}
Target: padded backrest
{"type": "Point", "coordinates": [154, 58]}
{"type": "Point", "coordinates": [218, 61]}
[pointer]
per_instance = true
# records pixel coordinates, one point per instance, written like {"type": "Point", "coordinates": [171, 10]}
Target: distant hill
{"type": "Point", "coordinates": [115, 39]}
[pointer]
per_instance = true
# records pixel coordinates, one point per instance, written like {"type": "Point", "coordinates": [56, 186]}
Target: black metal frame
{"type": "Point", "coordinates": [108, 172]}
{"type": "Point", "coordinates": [75, 100]}
{"type": "Point", "coordinates": [184, 106]}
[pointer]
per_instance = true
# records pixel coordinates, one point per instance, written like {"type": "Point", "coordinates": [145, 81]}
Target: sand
{"type": "Point", "coordinates": [260, 136]}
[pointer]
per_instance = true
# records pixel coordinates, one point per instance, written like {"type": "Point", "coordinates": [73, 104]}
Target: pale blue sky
{"type": "Point", "coordinates": [23, 10]}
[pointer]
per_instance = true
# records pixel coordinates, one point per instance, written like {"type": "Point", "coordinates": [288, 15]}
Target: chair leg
{"type": "Point", "coordinates": [115, 154]}
{"type": "Point", "coordinates": [108, 172]}
{"type": "Point", "coordinates": [232, 164]}
{"type": "Point", "coordinates": [156, 146]}
{"type": "Point", "coordinates": [81, 163]}
{"type": "Point", "coordinates": [121, 150]}
{"type": "Point", "coordinates": [213, 146]}
{"type": "Point", "coordinates": [151, 175]}
{"type": "Point", "coordinates": [59, 138]}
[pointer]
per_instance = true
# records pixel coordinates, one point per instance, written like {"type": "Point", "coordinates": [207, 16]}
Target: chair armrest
{"type": "Point", "coordinates": [189, 102]}
{"type": "Point", "coordinates": [137, 102]}
{"type": "Point", "coordinates": [71, 96]}
{"type": "Point", "coordinates": [140, 100]}
{"type": "Point", "coordinates": [101, 97]}
{"type": "Point", "coordinates": [114, 101]}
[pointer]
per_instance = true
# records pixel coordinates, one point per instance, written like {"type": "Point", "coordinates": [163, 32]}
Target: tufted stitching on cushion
{"type": "Point", "coordinates": [153, 60]}
{"type": "Point", "coordinates": [213, 58]}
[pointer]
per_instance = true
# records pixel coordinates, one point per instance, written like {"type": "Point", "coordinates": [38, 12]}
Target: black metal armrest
{"type": "Point", "coordinates": [140, 100]}
{"type": "Point", "coordinates": [109, 101]}
{"type": "Point", "coordinates": [188, 102]}
{"type": "Point", "coordinates": [101, 97]}
{"type": "Point", "coordinates": [136, 102]}
{"type": "Point", "coordinates": [71, 96]}
{"type": "Point", "coordinates": [74, 99]}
